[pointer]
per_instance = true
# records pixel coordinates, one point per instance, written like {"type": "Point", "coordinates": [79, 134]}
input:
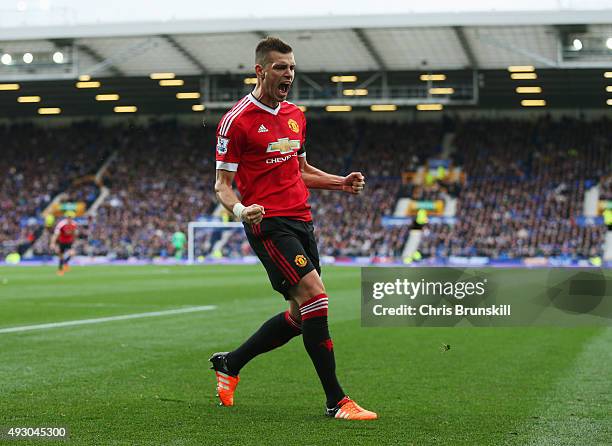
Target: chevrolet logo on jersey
{"type": "Point", "coordinates": [284, 145]}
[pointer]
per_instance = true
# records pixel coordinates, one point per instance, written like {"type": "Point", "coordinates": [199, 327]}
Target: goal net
{"type": "Point", "coordinates": [215, 240]}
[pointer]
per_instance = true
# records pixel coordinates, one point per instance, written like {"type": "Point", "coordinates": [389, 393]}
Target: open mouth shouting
{"type": "Point", "coordinates": [283, 88]}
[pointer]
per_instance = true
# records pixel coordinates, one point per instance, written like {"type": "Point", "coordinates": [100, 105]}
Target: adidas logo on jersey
{"type": "Point", "coordinates": [262, 129]}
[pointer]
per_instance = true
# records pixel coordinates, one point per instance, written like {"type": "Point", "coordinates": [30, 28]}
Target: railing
{"type": "Point", "coordinates": [464, 94]}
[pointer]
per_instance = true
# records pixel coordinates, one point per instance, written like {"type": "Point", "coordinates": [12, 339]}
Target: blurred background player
{"type": "Point", "coordinates": [49, 222]}
{"type": "Point", "coordinates": [62, 240]}
{"type": "Point", "coordinates": [178, 241]}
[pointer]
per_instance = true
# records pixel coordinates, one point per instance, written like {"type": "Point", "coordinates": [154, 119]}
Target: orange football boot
{"type": "Point", "coordinates": [347, 409]}
{"type": "Point", "coordinates": [226, 382]}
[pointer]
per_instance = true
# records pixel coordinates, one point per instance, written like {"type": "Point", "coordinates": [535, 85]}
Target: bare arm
{"type": "Point", "coordinates": [317, 179]}
{"type": "Point", "coordinates": [53, 242]}
{"type": "Point", "coordinates": [224, 190]}
{"type": "Point", "coordinates": [252, 214]}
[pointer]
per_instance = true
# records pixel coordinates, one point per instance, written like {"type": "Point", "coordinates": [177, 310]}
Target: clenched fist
{"type": "Point", "coordinates": [353, 183]}
{"type": "Point", "coordinates": [253, 214]}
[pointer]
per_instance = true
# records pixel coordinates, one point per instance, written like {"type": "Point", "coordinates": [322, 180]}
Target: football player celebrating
{"type": "Point", "coordinates": [261, 146]}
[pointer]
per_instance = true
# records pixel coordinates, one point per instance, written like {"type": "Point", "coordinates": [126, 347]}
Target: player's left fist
{"type": "Point", "coordinates": [353, 183]}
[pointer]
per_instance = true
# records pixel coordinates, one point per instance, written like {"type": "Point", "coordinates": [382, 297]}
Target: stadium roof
{"type": "Point", "coordinates": [486, 40]}
{"type": "Point", "coordinates": [125, 54]}
{"type": "Point", "coordinates": [564, 89]}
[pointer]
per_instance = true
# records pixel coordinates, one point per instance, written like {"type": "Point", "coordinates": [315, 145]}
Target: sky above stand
{"type": "Point", "coordinates": [18, 13]}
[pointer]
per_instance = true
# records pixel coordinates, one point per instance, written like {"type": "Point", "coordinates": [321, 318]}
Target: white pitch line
{"type": "Point", "coordinates": [106, 319]}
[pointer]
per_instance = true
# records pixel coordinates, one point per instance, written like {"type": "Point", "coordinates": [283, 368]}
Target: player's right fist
{"type": "Point", "coordinates": [253, 214]}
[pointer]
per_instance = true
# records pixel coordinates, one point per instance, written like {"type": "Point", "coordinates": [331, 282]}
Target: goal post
{"type": "Point", "coordinates": [220, 230]}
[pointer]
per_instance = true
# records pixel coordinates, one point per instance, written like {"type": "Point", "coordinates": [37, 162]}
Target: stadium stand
{"type": "Point", "coordinates": [523, 195]}
{"type": "Point", "coordinates": [526, 189]}
{"type": "Point", "coordinates": [36, 164]}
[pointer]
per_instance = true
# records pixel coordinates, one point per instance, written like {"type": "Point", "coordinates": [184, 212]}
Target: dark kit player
{"type": "Point", "coordinates": [62, 240]}
{"type": "Point", "coordinates": [261, 146]}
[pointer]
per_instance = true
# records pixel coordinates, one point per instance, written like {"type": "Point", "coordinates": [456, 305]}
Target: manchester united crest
{"type": "Point", "coordinates": [300, 261]}
{"type": "Point", "coordinates": [293, 125]}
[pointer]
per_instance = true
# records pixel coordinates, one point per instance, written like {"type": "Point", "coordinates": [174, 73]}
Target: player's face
{"type": "Point", "coordinates": [278, 75]}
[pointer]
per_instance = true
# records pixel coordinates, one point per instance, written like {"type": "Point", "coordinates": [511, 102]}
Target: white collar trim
{"type": "Point", "coordinates": [273, 111]}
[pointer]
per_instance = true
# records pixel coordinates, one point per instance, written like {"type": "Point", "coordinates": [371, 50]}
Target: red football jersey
{"type": "Point", "coordinates": [65, 231]}
{"type": "Point", "coordinates": [262, 146]}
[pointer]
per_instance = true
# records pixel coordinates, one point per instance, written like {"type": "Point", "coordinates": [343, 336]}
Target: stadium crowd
{"type": "Point", "coordinates": [525, 190]}
{"type": "Point", "coordinates": [159, 183]}
{"type": "Point", "coordinates": [349, 225]}
{"type": "Point", "coordinates": [36, 164]}
{"type": "Point", "coordinates": [523, 195]}
{"type": "Point", "coordinates": [606, 187]}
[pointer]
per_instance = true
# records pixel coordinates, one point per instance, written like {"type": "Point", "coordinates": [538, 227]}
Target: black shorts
{"type": "Point", "coordinates": [63, 247]}
{"type": "Point", "coordinates": [287, 249]}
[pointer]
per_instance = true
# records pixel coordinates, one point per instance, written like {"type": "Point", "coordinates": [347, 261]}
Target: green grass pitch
{"type": "Point", "coordinates": [146, 381]}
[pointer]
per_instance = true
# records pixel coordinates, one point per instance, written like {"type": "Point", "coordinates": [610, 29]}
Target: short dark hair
{"type": "Point", "coordinates": [270, 44]}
